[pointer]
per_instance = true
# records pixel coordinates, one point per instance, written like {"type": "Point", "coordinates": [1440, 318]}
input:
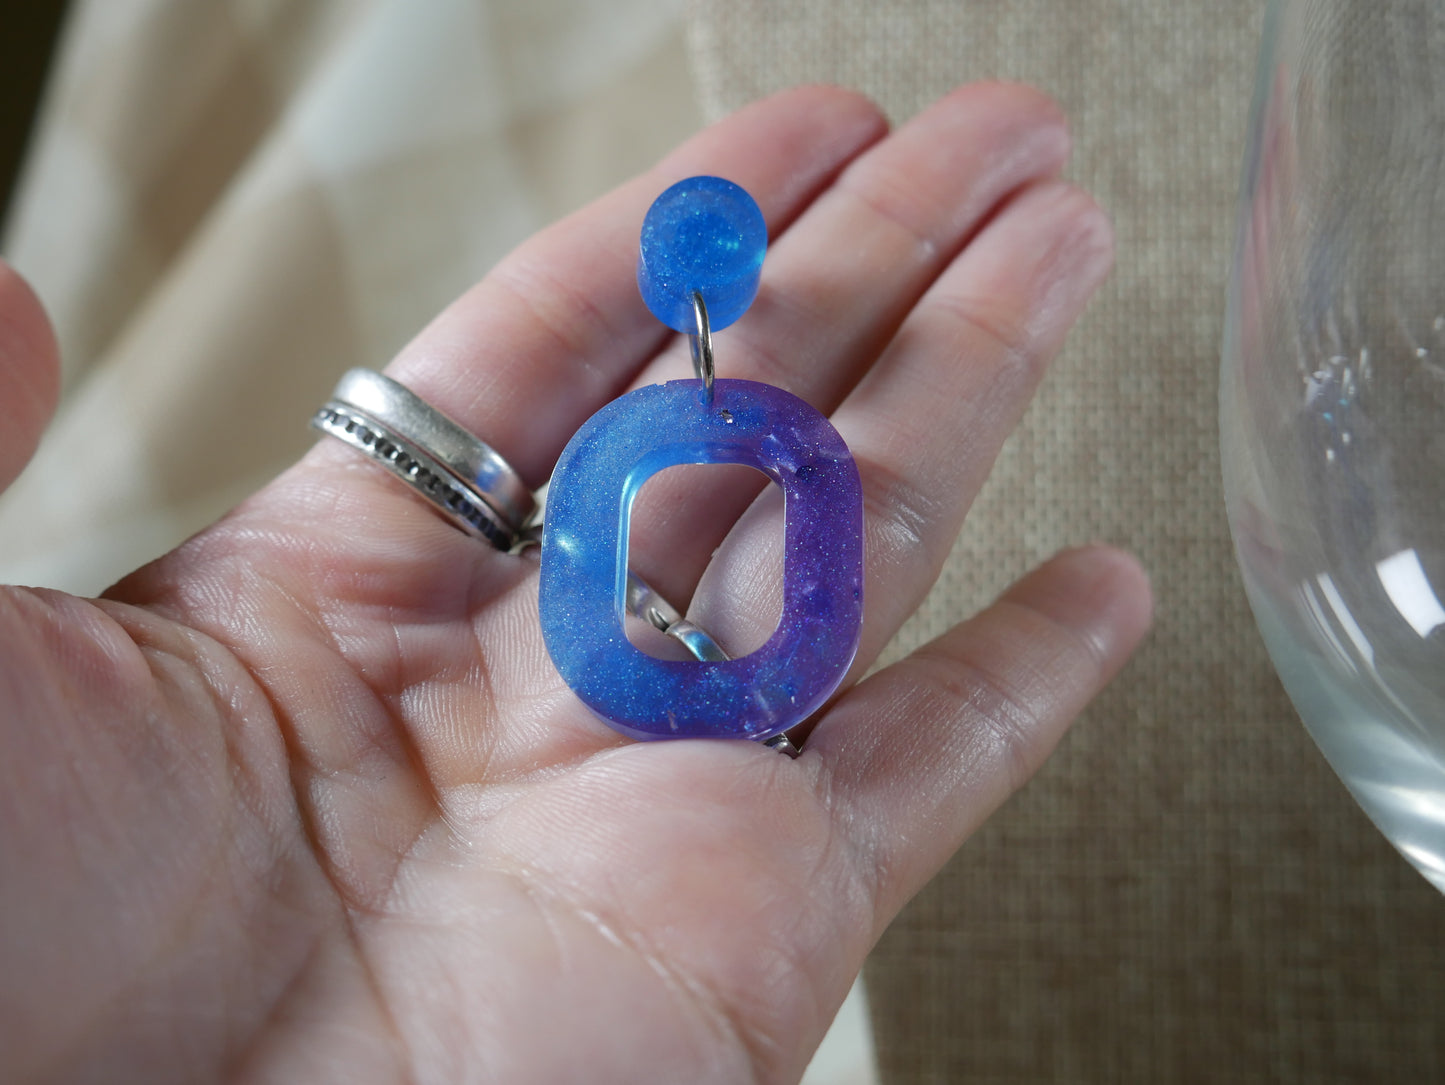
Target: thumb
{"type": "Point", "coordinates": [29, 373]}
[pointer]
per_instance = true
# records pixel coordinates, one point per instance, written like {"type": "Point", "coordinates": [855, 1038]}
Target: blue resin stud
{"type": "Point", "coordinates": [707, 235]}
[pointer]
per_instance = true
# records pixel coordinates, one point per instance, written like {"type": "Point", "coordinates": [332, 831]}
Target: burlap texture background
{"type": "Point", "coordinates": [1187, 893]}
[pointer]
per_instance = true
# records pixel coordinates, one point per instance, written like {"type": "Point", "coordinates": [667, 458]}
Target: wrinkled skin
{"type": "Point", "coordinates": [304, 800]}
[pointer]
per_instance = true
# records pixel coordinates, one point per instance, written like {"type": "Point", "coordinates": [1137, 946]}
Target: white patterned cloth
{"type": "Point", "coordinates": [230, 203]}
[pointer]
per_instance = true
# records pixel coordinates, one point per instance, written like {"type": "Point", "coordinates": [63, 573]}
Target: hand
{"type": "Point", "coordinates": [304, 799]}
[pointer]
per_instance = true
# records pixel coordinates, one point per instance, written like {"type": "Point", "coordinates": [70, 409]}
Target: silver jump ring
{"type": "Point", "coordinates": [701, 343]}
{"type": "Point", "coordinates": [783, 744]}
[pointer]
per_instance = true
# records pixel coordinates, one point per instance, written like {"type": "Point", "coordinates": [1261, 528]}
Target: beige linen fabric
{"type": "Point", "coordinates": [232, 202]}
{"type": "Point", "coordinates": [1186, 893]}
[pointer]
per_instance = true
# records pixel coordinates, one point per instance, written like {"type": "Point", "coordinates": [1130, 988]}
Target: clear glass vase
{"type": "Point", "coordinates": [1332, 404]}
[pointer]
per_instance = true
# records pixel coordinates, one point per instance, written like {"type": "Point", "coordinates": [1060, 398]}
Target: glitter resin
{"type": "Point", "coordinates": [584, 561]}
{"type": "Point", "coordinates": [704, 234]}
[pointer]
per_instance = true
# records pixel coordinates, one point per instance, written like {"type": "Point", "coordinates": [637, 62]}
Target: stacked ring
{"type": "Point", "coordinates": [461, 476]}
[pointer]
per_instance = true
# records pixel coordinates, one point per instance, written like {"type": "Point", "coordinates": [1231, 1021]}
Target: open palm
{"type": "Point", "coordinates": [305, 800]}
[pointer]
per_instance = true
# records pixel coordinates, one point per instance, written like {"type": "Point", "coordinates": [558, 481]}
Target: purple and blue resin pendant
{"type": "Point", "coordinates": [701, 255]}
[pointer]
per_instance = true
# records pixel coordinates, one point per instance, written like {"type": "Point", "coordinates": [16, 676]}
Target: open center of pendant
{"type": "Point", "coordinates": [723, 572]}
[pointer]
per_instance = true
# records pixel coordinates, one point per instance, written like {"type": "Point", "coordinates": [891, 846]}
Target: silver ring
{"type": "Point", "coordinates": [474, 462]}
{"type": "Point", "coordinates": [418, 468]}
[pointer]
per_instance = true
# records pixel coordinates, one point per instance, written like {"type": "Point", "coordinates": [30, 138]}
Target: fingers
{"type": "Point", "coordinates": [559, 328]}
{"type": "Point", "coordinates": [836, 286]}
{"type": "Point", "coordinates": [927, 422]}
{"type": "Point", "coordinates": [920, 754]}
{"type": "Point", "coordinates": [29, 373]}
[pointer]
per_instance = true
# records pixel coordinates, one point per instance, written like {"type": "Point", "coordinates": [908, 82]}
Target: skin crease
{"type": "Point", "coordinates": [305, 800]}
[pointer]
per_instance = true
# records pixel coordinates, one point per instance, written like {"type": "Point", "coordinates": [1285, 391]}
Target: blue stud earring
{"type": "Point", "coordinates": [700, 258]}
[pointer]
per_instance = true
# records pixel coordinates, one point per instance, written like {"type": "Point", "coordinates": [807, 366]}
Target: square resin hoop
{"type": "Point", "coordinates": [584, 561]}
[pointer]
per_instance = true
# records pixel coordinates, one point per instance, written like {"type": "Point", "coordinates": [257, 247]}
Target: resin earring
{"type": "Point", "coordinates": [701, 254]}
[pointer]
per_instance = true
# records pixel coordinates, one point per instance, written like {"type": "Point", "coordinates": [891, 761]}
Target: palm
{"type": "Point", "coordinates": [313, 800]}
